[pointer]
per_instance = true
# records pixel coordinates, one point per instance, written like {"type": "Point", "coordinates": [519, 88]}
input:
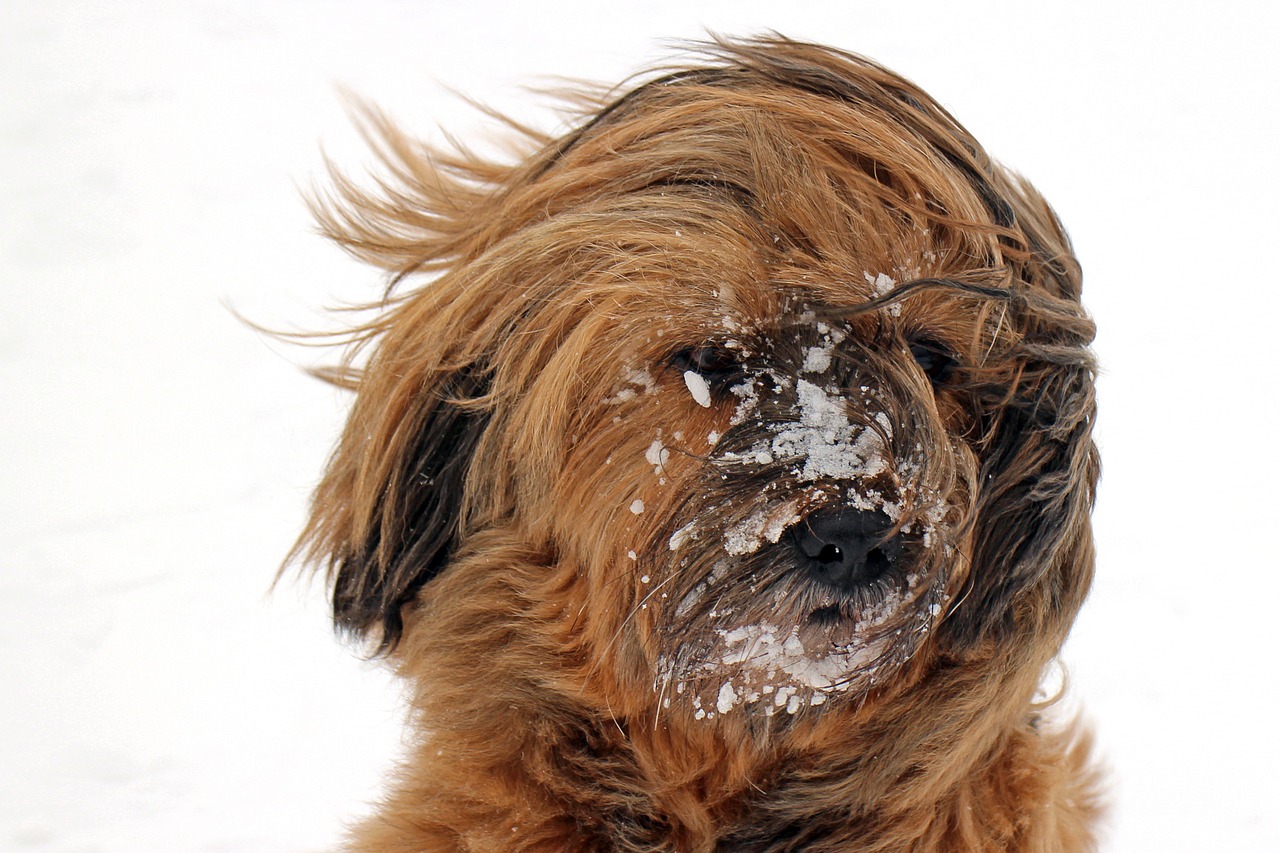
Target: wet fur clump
{"type": "Point", "coordinates": [719, 474]}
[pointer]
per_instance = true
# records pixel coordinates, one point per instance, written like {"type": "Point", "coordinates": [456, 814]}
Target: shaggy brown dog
{"type": "Point", "coordinates": [722, 481]}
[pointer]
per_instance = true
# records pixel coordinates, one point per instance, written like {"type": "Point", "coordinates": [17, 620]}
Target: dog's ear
{"type": "Point", "coordinates": [390, 510]}
{"type": "Point", "coordinates": [1032, 528]}
{"type": "Point", "coordinates": [387, 516]}
{"type": "Point", "coordinates": [1033, 551]}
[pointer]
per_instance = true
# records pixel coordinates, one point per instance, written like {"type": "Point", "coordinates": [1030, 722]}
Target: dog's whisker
{"type": "Point", "coordinates": [995, 336]}
{"type": "Point", "coordinates": [662, 694]}
{"type": "Point", "coordinates": [965, 590]}
{"type": "Point", "coordinates": [626, 621]}
{"type": "Point", "coordinates": [614, 717]}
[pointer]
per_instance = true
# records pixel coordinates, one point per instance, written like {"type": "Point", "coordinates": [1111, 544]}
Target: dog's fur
{"type": "Point", "coordinates": [613, 389]}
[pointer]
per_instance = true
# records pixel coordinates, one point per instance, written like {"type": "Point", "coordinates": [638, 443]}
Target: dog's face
{"type": "Point", "coordinates": [785, 486]}
{"type": "Point", "coordinates": [782, 383]}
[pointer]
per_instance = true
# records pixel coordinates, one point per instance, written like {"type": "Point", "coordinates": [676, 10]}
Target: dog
{"type": "Point", "coordinates": [719, 474]}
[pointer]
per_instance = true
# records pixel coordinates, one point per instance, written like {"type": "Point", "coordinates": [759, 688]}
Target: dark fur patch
{"type": "Point", "coordinates": [415, 529]}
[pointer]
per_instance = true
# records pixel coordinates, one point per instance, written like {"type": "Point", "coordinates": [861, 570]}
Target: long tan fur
{"type": "Point", "coordinates": [614, 387]}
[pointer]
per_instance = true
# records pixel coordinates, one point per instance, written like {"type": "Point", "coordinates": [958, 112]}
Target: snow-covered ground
{"type": "Point", "coordinates": [156, 455]}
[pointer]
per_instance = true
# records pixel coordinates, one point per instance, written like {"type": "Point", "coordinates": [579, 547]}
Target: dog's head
{"type": "Point", "coordinates": [792, 378]}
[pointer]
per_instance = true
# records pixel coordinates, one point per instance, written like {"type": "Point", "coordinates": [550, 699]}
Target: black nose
{"type": "Point", "coordinates": [847, 548]}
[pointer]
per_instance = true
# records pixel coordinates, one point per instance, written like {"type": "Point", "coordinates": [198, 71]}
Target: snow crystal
{"type": "Point", "coordinates": [881, 284]}
{"type": "Point", "coordinates": [698, 387]}
{"type": "Point", "coordinates": [637, 506]}
{"type": "Point", "coordinates": [657, 455]}
{"type": "Point", "coordinates": [634, 376]}
{"type": "Point", "coordinates": [829, 445]}
{"type": "Point", "coordinates": [684, 534]}
{"type": "Point", "coordinates": [748, 400]}
{"type": "Point", "coordinates": [727, 699]}
{"type": "Point", "coordinates": [767, 523]}
{"type": "Point", "coordinates": [817, 359]}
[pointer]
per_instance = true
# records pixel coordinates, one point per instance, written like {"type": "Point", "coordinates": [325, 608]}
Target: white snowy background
{"type": "Point", "coordinates": [156, 455]}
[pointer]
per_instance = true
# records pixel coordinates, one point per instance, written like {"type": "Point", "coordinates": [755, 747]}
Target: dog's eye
{"type": "Point", "coordinates": [716, 364]}
{"type": "Point", "coordinates": [934, 359]}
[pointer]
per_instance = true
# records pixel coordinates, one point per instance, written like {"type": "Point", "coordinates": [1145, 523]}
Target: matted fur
{"type": "Point", "coordinates": [610, 389]}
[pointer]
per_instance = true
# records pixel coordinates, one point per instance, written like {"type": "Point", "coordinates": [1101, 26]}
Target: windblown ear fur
{"type": "Point", "coordinates": [415, 522]}
{"type": "Point", "coordinates": [1042, 474]}
{"type": "Point", "coordinates": [391, 508]}
{"type": "Point", "coordinates": [1040, 465]}
{"type": "Point", "coordinates": [387, 517]}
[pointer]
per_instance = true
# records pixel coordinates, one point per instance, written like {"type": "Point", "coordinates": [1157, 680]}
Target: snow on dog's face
{"type": "Point", "coordinates": [798, 525]}
{"type": "Point", "coordinates": [761, 392]}
{"type": "Point", "coordinates": [834, 561]}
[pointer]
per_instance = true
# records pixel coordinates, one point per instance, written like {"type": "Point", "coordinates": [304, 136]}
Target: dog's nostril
{"type": "Point", "coordinates": [877, 563]}
{"type": "Point", "coordinates": [830, 554]}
